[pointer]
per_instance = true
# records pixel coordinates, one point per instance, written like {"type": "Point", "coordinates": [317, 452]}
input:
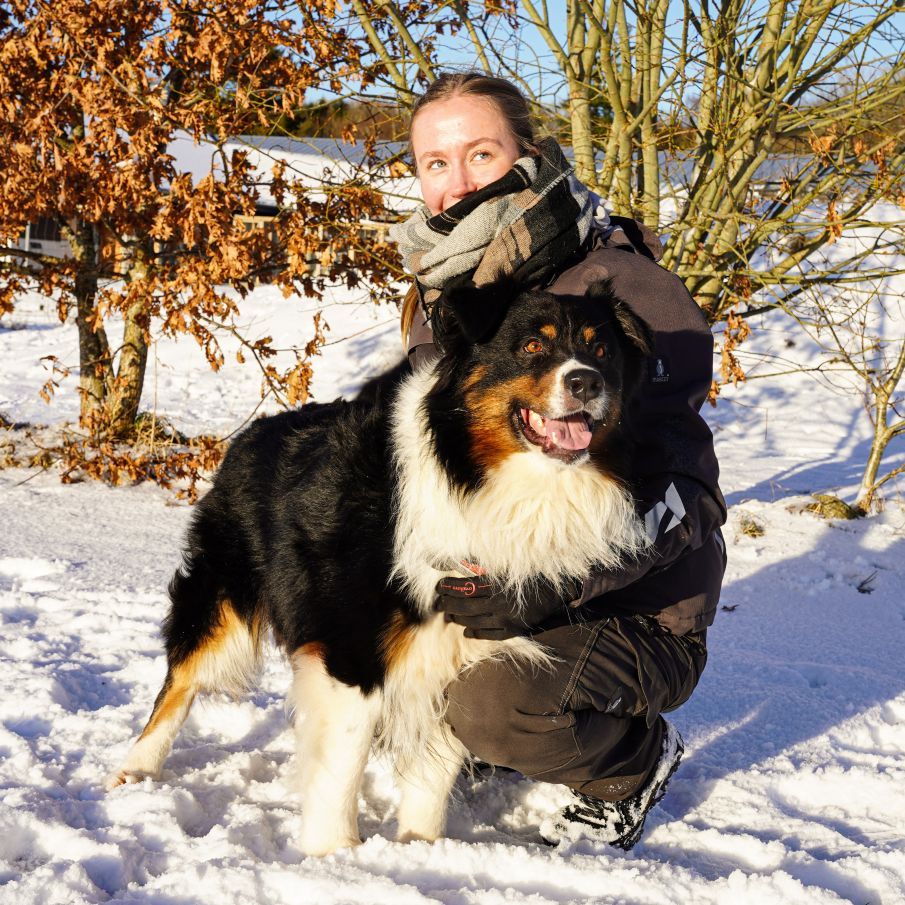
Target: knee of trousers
{"type": "Point", "coordinates": [509, 717]}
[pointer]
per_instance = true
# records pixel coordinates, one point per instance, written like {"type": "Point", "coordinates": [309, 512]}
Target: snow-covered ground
{"type": "Point", "coordinates": [793, 785]}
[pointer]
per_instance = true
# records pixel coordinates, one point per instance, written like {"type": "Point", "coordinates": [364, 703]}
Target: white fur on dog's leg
{"type": "Point", "coordinates": [426, 787]}
{"type": "Point", "coordinates": [334, 729]}
{"type": "Point", "coordinates": [145, 758]}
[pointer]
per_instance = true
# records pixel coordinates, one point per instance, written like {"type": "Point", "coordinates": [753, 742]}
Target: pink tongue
{"type": "Point", "coordinates": [569, 433]}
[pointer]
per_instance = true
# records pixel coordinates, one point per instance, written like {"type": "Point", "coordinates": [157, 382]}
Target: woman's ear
{"type": "Point", "coordinates": [474, 312]}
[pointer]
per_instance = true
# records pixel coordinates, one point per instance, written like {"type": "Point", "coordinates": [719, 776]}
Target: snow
{"type": "Point", "coordinates": [792, 789]}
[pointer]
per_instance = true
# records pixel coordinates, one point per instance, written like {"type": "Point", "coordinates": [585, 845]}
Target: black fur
{"type": "Point", "coordinates": [298, 525]}
{"type": "Point", "coordinates": [470, 312]}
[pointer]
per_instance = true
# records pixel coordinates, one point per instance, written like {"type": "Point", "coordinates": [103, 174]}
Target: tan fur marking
{"type": "Point", "coordinates": [184, 681]}
{"type": "Point", "coordinates": [475, 377]}
{"type": "Point", "coordinates": [549, 331]}
{"type": "Point", "coordinates": [313, 649]}
{"type": "Point", "coordinates": [492, 438]}
{"type": "Point", "coordinates": [588, 334]}
{"type": "Point", "coordinates": [397, 641]}
{"type": "Point", "coordinates": [543, 390]}
{"type": "Point", "coordinates": [172, 703]}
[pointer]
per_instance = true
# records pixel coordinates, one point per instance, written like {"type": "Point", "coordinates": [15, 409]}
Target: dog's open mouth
{"type": "Point", "coordinates": [566, 437]}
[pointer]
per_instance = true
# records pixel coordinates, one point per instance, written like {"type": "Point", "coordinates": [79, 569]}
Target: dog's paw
{"type": "Point", "coordinates": [125, 777]}
{"type": "Point", "coordinates": [408, 835]}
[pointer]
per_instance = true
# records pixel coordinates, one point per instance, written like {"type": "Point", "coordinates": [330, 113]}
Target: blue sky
{"type": "Point", "coordinates": [534, 63]}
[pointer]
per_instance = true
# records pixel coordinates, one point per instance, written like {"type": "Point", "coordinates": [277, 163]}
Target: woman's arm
{"type": "Point", "coordinates": [680, 515]}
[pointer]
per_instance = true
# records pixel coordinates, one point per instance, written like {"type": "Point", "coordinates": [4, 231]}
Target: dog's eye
{"type": "Point", "coordinates": [600, 350]}
{"type": "Point", "coordinates": [533, 346]}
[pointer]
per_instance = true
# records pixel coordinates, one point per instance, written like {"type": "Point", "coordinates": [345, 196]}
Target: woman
{"type": "Point", "coordinates": [499, 203]}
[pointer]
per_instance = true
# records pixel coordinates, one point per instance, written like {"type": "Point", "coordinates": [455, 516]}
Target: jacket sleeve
{"type": "Point", "coordinates": [421, 349]}
{"type": "Point", "coordinates": [680, 515]}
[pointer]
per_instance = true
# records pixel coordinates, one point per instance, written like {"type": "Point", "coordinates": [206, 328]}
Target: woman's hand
{"type": "Point", "coordinates": [488, 611]}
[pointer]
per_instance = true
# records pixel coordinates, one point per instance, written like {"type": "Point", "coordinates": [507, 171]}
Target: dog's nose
{"type": "Point", "coordinates": [584, 384]}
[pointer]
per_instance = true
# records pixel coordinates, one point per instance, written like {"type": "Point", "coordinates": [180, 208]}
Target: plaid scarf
{"type": "Point", "coordinates": [522, 227]}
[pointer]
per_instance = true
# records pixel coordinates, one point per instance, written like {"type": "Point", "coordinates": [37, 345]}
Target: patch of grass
{"type": "Point", "coordinates": [827, 506]}
{"type": "Point", "coordinates": [750, 527]}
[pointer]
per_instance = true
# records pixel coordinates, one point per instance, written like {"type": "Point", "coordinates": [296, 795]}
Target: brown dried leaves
{"type": "Point", "coordinates": [91, 95]}
{"type": "Point", "coordinates": [731, 371]}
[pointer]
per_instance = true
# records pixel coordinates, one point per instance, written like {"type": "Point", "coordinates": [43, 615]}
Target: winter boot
{"type": "Point", "coordinates": [618, 823]}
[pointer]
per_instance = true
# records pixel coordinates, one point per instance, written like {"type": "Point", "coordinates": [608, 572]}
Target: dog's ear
{"type": "Point", "coordinates": [633, 328]}
{"type": "Point", "coordinates": [475, 312]}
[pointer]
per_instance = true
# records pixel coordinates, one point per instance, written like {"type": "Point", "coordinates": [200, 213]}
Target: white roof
{"type": "Point", "coordinates": [311, 161]}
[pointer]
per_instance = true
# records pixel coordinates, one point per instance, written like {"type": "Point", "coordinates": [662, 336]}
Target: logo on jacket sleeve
{"type": "Point", "coordinates": [672, 505]}
{"type": "Point", "coordinates": [658, 368]}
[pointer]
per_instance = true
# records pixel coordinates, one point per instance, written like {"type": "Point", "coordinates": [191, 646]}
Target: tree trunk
{"type": "Point", "coordinates": [582, 141]}
{"type": "Point", "coordinates": [123, 402]}
{"type": "Point", "coordinates": [579, 99]}
{"type": "Point", "coordinates": [884, 432]}
{"type": "Point", "coordinates": [94, 352]}
{"type": "Point", "coordinates": [869, 480]}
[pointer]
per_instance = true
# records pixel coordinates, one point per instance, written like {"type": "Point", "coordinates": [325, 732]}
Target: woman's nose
{"type": "Point", "coordinates": [462, 182]}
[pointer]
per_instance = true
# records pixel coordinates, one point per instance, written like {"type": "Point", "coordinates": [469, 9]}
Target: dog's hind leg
{"type": "Point", "coordinates": [426, 786]}
{"type": "Point", "coordinates": [220, 657]}
{"type": "Point", "coordinates": [334, 730]}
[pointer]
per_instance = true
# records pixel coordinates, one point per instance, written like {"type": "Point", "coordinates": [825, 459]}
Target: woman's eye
{"type": "Point", "coordinates": [481, 155]}
{"type": "Point", "coordinates": [535, 345]}
{"type": "Point", "coordinates": [436, 164]}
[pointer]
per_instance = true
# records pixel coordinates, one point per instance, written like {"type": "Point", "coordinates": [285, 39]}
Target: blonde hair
{"type": "Point", "coordinates": [410, 304]}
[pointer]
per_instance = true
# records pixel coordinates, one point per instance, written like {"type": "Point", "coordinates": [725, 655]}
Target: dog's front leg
{"type": "Point", "coordinates": [426, 786]}
{"type": "Point", "coordinates": [334, 730]}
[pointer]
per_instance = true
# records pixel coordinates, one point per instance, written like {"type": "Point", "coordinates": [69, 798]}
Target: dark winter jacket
{"type": "Point", "coordinates": [674, 468]}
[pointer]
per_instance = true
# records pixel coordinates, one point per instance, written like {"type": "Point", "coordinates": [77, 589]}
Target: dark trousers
{"type": "Point", "coordinates": [592, 722]}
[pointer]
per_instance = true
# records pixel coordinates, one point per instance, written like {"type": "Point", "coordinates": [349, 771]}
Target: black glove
{"type": "Point", "coordinates": [491, 613]}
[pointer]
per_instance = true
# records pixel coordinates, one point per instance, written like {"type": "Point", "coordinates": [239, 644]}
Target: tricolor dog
{"type": "Point", "coordinates": [330, 526]}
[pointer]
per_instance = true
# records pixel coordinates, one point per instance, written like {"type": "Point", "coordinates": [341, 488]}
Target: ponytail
{"type": "Point", "coordinates": [410, 305]}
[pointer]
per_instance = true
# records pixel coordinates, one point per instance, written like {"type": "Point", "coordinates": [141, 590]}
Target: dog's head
{"type": "Point", "coordinates": [528, 372]}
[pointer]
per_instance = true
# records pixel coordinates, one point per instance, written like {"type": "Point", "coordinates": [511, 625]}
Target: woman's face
{"type": "Point", "coordinates": [460, 145]}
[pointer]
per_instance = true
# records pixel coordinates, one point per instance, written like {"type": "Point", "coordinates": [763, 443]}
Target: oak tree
{"type": "Point", "coordinates": [91, 97]}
